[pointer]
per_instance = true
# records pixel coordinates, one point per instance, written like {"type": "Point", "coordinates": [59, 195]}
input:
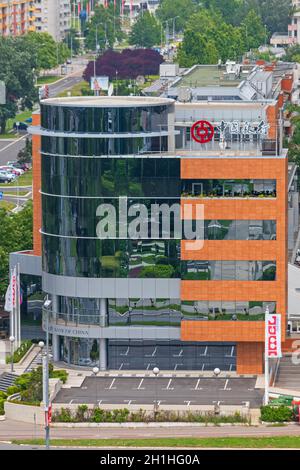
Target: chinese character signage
{"type": "Point", "coordinates": [273, 336]}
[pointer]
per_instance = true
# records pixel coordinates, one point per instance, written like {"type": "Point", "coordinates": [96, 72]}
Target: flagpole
{"type": "Point", "coordinates": [12, 325]}
{"type": "Point", "coordinates": [19, 303]}
{"type": "Point", "coordinates": [266, 397]}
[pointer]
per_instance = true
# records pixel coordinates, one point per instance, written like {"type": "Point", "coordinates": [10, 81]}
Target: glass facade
{"type": "Point", "coordinates": [91, 147]}
{"type": "Point", "coordinates": [104, 177]}
{"type": "Point", "coordinates": [228, 270]}
{"type": "Point", "coordinates": [157, 312]}
{"type": "Point", "coordinates": [145, 354]}
{"type": "Point", "coordinates": [228, 188]}
{"type": "Point", "coordinates": [111, 258]}
{"type": "Point", "coordinates": [238, 229]}
{"type": "Point", "coordinates": [104, 119]}
{"type": "Point", "coordinates": [226, 310]}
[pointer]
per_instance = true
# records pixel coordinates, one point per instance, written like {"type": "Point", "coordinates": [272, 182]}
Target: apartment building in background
{"type": "Point", "coordinates": [53, 17]}
{"type": "Point", "coordinates": [213, 136]}
{"type": "Point", "coordinates": [16, 17]}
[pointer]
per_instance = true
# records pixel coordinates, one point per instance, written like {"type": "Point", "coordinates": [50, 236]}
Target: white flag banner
{"type": "Point", "coordinates": [10, 296]}
{"type": "Point", "coordinates": [8, 300]}
{"type": "Point", "coordinates": [273, 336]}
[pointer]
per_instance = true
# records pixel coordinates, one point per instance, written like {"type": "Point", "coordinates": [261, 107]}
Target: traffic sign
{"type": "Point", "coordinates": [2, 93]}
{"type": "Point", "coordinates": [1, 195]}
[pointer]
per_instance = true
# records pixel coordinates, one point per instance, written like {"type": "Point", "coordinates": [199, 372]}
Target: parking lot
{"type": "Point", "coordinates": [167, 390]}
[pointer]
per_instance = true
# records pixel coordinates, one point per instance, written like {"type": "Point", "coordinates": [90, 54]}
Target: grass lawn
{"type": "Point", "coordinates": [76, 89]}
{"type": "Point", "coordinates": [218, 442]}
{"type": "Point", "coordinates": [9, 136]}
{"type": "Point", "coordinates": [21, 117]}
{"type": "Point", "coordinates": [7, 205]}
{"type": "Point", "coordinates": [23, 180]}
{"type": "Point", "coordinates": [47, 79]}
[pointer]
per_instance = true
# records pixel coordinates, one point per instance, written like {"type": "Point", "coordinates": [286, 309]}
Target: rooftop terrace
{"type": "Point", "coordinates": [212, 75]}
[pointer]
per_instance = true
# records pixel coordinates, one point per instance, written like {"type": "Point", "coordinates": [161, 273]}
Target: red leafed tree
{"type": "Point", "coordinates": [128, 64]}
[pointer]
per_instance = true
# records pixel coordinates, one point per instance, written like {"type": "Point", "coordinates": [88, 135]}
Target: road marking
{"type": "Point", "coordinates": [188, 402]}
{"type": "Point", "coordinates": [203, 365]}
{"type": "Point", "coordinates": [153, 354]}
{"type": "Point", "coordinates": [178, 355]}
{"type": "Point", "coordinates": [140, 386]}
{"type": "Point", "coordinates": [15, 141]}
{"type": "Point", "coordinates": [71, 401]}
{"type": "Point", "coordinates": [111, 387]}
{"type": "Point", "coordinates": [225, 386]}
{"type": "Point", "coordinates": [168, 386]}
{"type": "Point", "coordinates": [197, 386]}
{"type": "Point", "coordinates": [129, 401]}
{"type": "Point", "coordinates": [126, 353]}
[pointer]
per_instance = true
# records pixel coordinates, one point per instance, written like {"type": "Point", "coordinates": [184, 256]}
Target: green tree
{"type": "Point", "coordinates": [253, 30]}
{"type": "Point", "coordinates": [15, 235]}
{"type": "Point", "coordinates": [72, 42]}
{"type": "Point", "coordinates": [181, 9]}
{"type": "Point", "coordinates": [49, 53]}
{"type": "Point", "coordinates": [146, 31]}
{"type": "Point", "coordinates": [208, 38]}
{"type": "Point", "coordinates": [17, 69]}
{"type": "Point", "coordinates": [105, 25]}
{"type": "Point", "coordinates": [25, 154]}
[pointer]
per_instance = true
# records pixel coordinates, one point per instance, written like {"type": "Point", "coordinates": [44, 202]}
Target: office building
{"type": "Point", "coordinates": [128, 303]}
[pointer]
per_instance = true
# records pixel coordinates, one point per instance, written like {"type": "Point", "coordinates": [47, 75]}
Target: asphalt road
{"type": "Point", "coordinates": [64, 84]}
{"type": "Point", "coordinates": [10, 149]}
{"type": "Point", "coordinates": [168, 391]}
{"type": "Point", "coordinates": [16, 430]}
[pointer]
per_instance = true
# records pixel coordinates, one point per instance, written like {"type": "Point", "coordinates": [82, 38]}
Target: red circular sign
{"type": "Point", "coordinates": [202, 132]}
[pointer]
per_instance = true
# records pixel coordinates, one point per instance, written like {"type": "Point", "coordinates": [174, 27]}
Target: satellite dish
{"type": "Point", "coordinates": [140, 80]}
{"type": "Point", "coordinates": [184, 94]}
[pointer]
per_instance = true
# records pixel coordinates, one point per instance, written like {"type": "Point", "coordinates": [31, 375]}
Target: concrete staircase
{"type": "Point", "coordinates": [7, 380]}
{"type": "Point", "coordinates": [288, 374]}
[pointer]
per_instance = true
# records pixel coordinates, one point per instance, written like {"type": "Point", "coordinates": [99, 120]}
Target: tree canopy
{"type": "Point", "coordinates": [146, 31]}
{"type": "Point", "coordinates": [127, 64]}
{"type": "Point", "coordinates": [15, 235]}
{"type": "Point", "coordinates": [208, 38]}
{"type": "Point", "coordinates": [48, 52]}
{"type": "Point", "coordinates": [181, 9]}
{"type": "Point", "coordinates": [103, 28]}
{"type": "Point", "coordinates": [17, 69]}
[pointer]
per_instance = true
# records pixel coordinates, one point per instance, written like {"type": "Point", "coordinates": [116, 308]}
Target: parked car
{"type": "Point", "coordinates": [6, 177]}
{"type": "Point", "coordinates": [21, 166]}
{"type": "Point", "coordinates": [11, 169]}
{"type": "Point", "coordinates": [22, 126]}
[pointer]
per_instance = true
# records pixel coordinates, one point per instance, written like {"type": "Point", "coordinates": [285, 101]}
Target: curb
{"type": "Point", "coordinates": [146, 425]}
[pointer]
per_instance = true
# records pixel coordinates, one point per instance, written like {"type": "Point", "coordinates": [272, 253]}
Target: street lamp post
{"type": "Point", "coordinates": [95, 372]}
{"type": "Point", "coordinates": [217, 372]}
{"type": "Point", "coordinates": [12, 340]}
{"type": "Point", "coordinates": [155, 372]}
{"type": "Point", "coordinates": [45, 365]}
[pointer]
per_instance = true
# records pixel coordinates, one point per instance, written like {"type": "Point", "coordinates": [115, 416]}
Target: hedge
{"type": "Point", "coordinates": [276, 414]}
{"type": "Point", "coordinates": [20, 352]}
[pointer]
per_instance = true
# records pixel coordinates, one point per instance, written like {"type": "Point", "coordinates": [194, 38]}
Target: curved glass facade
{"type": "Point", "coordinates": [111, 258]}
{"type": "Point", "coordinates": [104, 119]}
{"type": "Point", "coordinates": [104, 177]}
{"type": "Point", "coordinates": [91, 147]}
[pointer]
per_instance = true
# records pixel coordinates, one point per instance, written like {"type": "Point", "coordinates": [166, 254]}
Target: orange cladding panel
{"type": "Point", "coordinates": [36, 186]}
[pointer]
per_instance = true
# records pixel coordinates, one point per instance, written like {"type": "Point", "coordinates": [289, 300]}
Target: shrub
{"type": "Point", "coordinates": [13, 389]}
{"type": "Point", "coordinates": [3, 395]}
{"type": "Point", "coordinates": [63, 416]}
{"type": "Point", "coordinates": [2, 406]}
{"type": "Point", "coordinates": [20, 352]}
{"type": "Point", "coordinates": [59, 374]}
{"type": "Point", "coordinates": [274, 414]}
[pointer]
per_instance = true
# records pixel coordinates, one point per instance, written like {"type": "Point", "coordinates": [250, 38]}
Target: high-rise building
{"type": "Point", "coordinates": [134, 302]}
{"type": "Point", "coordinates": [16, 17]}
{"type": "Point", "coordinates": [53, 17]}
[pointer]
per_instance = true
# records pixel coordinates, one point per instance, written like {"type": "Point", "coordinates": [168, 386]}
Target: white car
{"type": "Point", "coordinates": [6, 177]}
